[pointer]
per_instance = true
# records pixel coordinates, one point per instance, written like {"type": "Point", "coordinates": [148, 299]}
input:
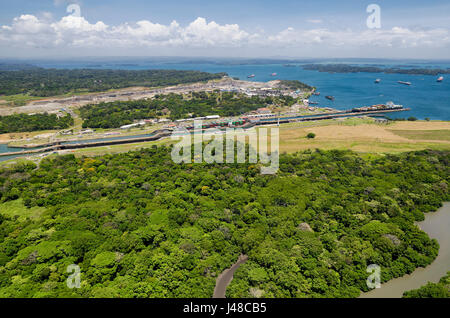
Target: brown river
{"type": "Point", "coordinates": [436, 225]}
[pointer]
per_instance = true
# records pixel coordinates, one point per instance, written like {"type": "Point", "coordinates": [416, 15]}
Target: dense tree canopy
{"type": "Point", "coordinates": [52, 82]}
{"type": "Point", "coordinates": [24, 122]}
{"type": "Point", "coordinates": [139, 225]}
{"type": "Point", "coordinates": [197, 104]}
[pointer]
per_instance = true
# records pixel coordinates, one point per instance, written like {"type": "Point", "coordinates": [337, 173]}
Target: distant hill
{"type": "Point", "coordinates": [345, 68]}
{"type": "Point", "coordinates": [17, 67]}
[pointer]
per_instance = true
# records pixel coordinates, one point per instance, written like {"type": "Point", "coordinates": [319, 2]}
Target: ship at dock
{"type": "Point", "coordinates": [378, 107]}
{"type": "Point", "coordinates": [404, 83]}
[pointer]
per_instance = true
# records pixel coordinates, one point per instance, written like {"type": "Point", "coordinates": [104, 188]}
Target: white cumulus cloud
{"type": "Point", "coordinates": [29, 31]}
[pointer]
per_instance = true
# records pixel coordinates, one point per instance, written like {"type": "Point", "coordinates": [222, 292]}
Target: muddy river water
{"type": "Point", "coordinates": [437, 226]}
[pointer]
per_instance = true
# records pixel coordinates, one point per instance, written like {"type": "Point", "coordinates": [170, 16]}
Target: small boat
{"type": "Point", "coordinates": [273, 74]}
{"type": "Point", "coordinates": [329, 97]}
{"type": "Point", "coordinates": [313, 103]}
{"type": "Point", "coordinates": [251, 76]}
{"type": "Point", "coordinates": [377, 81]}
{"type": "Point", "coordinates": [440, 79]}
{"type": "Point", "coordinates": [404, 83]}
{"type": "Point", "coordinates": [316, 93]}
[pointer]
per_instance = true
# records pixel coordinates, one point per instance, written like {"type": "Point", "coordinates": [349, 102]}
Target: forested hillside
{"type": "Point", "coordinates": [52, 82]}
{"type": "Point", "coordinates": [140, 225]}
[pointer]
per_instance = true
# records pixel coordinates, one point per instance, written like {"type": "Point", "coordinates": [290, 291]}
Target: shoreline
{"type": "Point", "coordinates": [436, 225]}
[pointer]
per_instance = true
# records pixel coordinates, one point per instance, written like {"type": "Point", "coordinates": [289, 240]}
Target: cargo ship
{"type": "Point", "coordinates": [440, 79]}
{"type": "Point", "coordinates": [379, 107]}
{"type": "Point", "coordinates": [329, 97]}
{"type": "Point", "coordinates": [404, 83]}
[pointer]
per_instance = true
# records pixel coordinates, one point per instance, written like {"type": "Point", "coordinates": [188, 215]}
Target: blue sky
{"type": "Point", "coordinates": [248, 28]}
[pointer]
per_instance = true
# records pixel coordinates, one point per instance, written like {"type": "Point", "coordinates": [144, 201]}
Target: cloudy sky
{"type": "Point", "coordinates": [228, 28]}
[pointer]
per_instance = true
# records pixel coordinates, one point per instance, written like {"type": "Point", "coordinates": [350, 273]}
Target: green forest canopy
{"type": "Point", "coordinates": [140, 225]}
{"type": "Point", "coordinates": [26, 123]}
{"type": "Point", "coordinates": [52, 82]}
{"type": "Point", "coordinates": [199, 104]}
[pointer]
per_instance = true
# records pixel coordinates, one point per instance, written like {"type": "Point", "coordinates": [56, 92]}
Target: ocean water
{"type": "Point", "coordinates": [425, 97]}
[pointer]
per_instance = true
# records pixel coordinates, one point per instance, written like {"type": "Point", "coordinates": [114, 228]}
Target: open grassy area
{"type": "Point", "coordinates": [16, 208]}
{"type": "Point", "coordinates": [97, 151]}
{"type": "Point", "coordinates": [424, 134]}
{"type": "Point", "coordinates": [363, 135]}
{"type": "Point", "coordinates": [19, 138]}
{"type": "Point", "coordinates": [23, 99]}
{"type": "Point", "coordinates": [19, 99]}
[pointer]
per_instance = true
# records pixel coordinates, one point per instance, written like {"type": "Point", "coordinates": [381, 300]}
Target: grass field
{"type": "Point", "coordinates": [19, 99]}
{"type": "Point", "coordinates": [363, 135]}
{"type": "Point", "coordinates": [23, 99]}
{"type": "Point", "coordinates": [97, 151]}
{"type": "Point", "coordinates": [16, 208]}
{"type": "Point", "coordinates": [443, 135]}
{"type": "Point", "coordinates": [18, 137]}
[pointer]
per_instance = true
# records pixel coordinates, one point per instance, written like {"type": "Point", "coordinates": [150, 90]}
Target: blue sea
{"type": "Point", "coordinates": [426, 97]}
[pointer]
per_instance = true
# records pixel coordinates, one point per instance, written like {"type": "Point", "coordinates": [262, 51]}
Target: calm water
{"type": "Point", "coordinates": [437, 226]}
{"type": "Point", "coordinates": [425, 97]}
{"type": "Point", "coordinates": [4, 148]}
